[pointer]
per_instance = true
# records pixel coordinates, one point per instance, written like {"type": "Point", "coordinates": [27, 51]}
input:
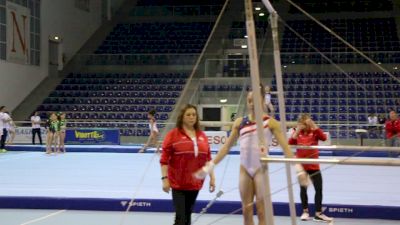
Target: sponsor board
{"type": "Point", "coordinates": [92, 137]}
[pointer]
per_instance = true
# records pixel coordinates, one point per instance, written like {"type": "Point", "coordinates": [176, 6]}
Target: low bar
{"type": "Point", "coordinates": [361, 162]}
{"type": "Point", "coordinates": [348, 148]}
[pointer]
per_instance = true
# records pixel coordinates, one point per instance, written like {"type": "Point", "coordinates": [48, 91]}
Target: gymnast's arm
{"type": "Point", "coordinates": [208, 168]}
{"type": "Point", "coordinates": [276, 130]}
{"type": "Point", "coordinates": [229, 143]}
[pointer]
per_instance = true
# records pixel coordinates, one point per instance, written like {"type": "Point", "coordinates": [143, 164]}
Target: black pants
{"type": "Point", "coordinates": [34, 132]}
{"type": "Point", "coordinates": [316, 178]}
{"type": "Point", "coordinates": [3, 138]}
{"type": "Point", "coordinates": [183, 203]}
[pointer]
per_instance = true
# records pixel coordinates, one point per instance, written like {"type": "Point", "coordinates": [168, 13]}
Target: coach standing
{"type": "Point", "coordinates": [35, 119]}
{"type": "Point", "coordinates": [4, 118]}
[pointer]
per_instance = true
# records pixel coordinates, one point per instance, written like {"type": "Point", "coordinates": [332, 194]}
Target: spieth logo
{"type": "Point", "coordinates": [139, 204]}
{"type": "Point", "coordinates": [341, 210]}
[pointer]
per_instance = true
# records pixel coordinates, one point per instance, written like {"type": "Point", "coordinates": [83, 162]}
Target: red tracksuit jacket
{"type": "Point", "coordinates": [179, 154]}
{"type": "Point", "coordinates": [310, 138]}
{"type": "Point", "coordinates": [392, 128]}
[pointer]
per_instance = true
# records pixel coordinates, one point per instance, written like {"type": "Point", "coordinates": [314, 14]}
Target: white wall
{"type": "Point", "coordinates": [58, 17]}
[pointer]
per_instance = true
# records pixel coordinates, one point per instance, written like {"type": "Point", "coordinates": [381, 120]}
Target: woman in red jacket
{"type": "Point", "coordinates": [185, 150]}
{"type": "Point", "coordinates": [308, 133]}
{"type": "Point", "coordinates": [392, 128]}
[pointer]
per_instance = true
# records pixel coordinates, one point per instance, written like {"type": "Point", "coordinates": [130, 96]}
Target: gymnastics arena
{"type": "Point", "coordinates": [105, 64]}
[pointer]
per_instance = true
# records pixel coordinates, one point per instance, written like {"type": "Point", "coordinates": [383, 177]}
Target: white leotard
{"type": "Point", "coordinates": [248, 141]}
{"type": "Point", "coordinates": [267, 98]}
{"type": "Point", "coordinates": [154, 127]}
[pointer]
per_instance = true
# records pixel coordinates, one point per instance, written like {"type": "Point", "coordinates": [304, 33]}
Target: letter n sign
{"type": "Point", "coordinates": [18, 33]}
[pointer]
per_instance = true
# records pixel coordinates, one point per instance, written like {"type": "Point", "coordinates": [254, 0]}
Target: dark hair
{"type": "Point", "coordinates": [179, 121]}
{"type": "Point", "coordinates": [152, 112]}
{"type": "Point", "coordinates": [2, 107]}
{"type": "Point", "coordinates": [59, 114]}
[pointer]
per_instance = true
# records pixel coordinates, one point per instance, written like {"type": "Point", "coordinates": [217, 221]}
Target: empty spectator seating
{"type": "Point", "coordinates": [318, 6]}
{"type": "Point", "coordinates": [173, 38]}
{"type": "Point", "coordinates": [339, 100]}
{"type": "Point", "coordinates": [378, 37]}
{"type": "Point", "coordinates": [115, 97]}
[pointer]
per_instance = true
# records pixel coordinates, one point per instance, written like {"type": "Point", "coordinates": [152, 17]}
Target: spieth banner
{"type": "Point", "coordinates": [23, 135]}
{"type": "Point", "coordinates": [18, 33]}
{"type": "Point", "coordinates": [92, 136]}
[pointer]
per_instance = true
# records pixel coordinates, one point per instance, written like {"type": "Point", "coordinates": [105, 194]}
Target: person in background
{"type": "Point", "coordinates": [10, 126]}
{"type": "Point", "coordinates": [372, 123]}
{"type": "Point", "coordinates": [35, 120]}
{"type": "Point", "coordinates": [185, 150]}
{"type": "Point", "coordinates": [381, 119]}
{"type": "Point", "coordinates": [154, 132]}
{"type": "Point", "coordinates": [52, 127]}
{"type": "Point", "coordinates": [268, 101]}
{"type": "Point", "coordinates": [251, 179]}
{"type": "Point", "coordinates": [392, 128]}
{"type": "Point", "coordinates": [233, 117]}
{"type": "Point", "coordinates": [381, 122]}
{"type": "Point", "coordinates": [62, 127]}
{"type": "Point", "coordinates": [4, 119]}
{"type": "Point", "coordinates": [307, 133]}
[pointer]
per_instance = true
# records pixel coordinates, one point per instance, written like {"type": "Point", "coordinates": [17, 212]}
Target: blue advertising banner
{"type": "Point", "coordinates": [92, 137]}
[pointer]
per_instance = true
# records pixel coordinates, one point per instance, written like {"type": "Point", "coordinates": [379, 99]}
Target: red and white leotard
{"type": "Point", "coordinates": [248, 142]}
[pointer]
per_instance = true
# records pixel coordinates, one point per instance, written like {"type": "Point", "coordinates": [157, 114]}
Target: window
{"type": "Point", "coordinates": [34, 7]}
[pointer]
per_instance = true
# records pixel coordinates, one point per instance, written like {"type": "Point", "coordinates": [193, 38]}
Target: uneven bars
{"type": "Point", "coordinates": [273, 18]}
{"type": "Point", "coordinates": [258, 109]}
{"type": "Point", "coordinates": [360, 162]}
{"type": "Point", "coordinates": [348, 148]}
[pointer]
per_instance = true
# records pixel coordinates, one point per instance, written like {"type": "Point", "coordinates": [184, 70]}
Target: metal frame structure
{"type": "Point", "coordinates": [255, 84]}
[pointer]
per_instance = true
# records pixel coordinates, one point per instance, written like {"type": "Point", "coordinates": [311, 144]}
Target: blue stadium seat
{"type": "Point", "coordinates": [323, 117]}
{"type": "Point", "coordinates": [381, 109]}
{"type": "Point", "coordinates": [342, 117]}
{"type": "Point", "coordinates": [371, 109]}
{"type": "Point", "coordinates": [323, 109]}
{"type": "Point", "coordinates": [333, 109]}
{"type": "Point", "coordinates": [361, 109]}
{"type": "Point", "coordinates": [343, 109]}
{"type": "Point", "coordinates": [333, 134]}
{"type": "Point", "coordinates": [362, 118]}
{"type": "Point", "coordinates": [343, 134]}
